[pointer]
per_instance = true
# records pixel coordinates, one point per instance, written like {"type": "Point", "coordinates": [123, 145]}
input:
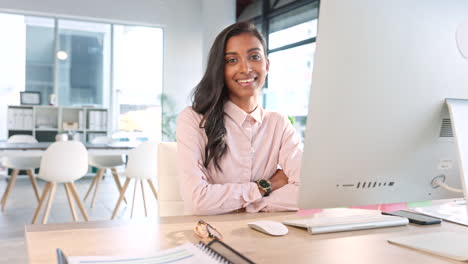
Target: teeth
{"type": "Point", "coordinates": [246, 81]}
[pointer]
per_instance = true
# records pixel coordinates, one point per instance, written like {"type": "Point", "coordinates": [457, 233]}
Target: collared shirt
{"type": "Point", "coordinates": [257, 144]}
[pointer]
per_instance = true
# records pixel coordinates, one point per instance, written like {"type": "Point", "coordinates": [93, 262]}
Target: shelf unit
{"type": "Point", "coordinates": [45, 122]}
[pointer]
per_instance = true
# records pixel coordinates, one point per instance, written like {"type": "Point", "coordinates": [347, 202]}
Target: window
{"type": "Point", "coordinates": [39, 47]}
{"type": "Point", "coordinates": [290, 79]}
{"type": "Point", "coordinates": [138, 81]}
{"type": "Point", "coordinates": [291, 30]}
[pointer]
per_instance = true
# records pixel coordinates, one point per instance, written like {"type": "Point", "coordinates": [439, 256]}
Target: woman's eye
{"type": "Point", "coordinates": [231, 60]}
{"type": "Point", "coordinates": [256, 57]}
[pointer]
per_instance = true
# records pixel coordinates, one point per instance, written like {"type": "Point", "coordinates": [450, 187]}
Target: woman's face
{"type": "Point", "coordinates": [245, 67]}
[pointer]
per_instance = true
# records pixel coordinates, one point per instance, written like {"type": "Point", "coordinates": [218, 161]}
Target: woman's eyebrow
{"type": "Point", "coordinates": [254, 49]}
{"type": "Point", "coordinates": [248, 51]}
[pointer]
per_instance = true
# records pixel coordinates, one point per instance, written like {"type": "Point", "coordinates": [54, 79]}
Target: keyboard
{"type": "Point", "coordinates": [328, 224]}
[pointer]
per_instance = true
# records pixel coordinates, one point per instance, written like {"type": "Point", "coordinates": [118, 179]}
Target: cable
{"type": "Point", "coordinates": [440, 183]}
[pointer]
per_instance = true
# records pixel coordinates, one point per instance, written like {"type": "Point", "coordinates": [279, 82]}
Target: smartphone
{"type": "Point", "coordinates": [415, 218]}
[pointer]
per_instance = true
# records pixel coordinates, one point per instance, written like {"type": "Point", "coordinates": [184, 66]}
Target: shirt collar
{"type": "Point", "coordinates": [239, 115]}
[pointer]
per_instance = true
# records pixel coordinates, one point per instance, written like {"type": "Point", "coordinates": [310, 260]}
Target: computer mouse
{"type": "Point", "coordinates": [269, 227]}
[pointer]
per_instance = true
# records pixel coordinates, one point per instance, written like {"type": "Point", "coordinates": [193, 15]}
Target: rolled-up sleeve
{"type": "Point", "coordinates": [290, 158]}
{"type": "Point", "coordinates": [201, 196]}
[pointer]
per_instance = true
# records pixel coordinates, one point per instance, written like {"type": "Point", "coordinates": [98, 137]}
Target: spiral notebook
{"type": "Point", "coordinates": [214, 252]}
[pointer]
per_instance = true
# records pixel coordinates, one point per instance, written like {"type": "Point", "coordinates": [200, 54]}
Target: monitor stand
{"type": "Point", "coordinates": [458, 109]}
{"type": "Point", "coordinates": [455, 211]}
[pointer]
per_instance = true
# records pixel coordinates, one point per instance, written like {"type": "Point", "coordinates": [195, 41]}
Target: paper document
{"type": "Point", "coordinates": [184, 254]}
{"type": "Point", "coordinates": [451, 211]}
{"type": "Point", "coordinates": [453, 245]}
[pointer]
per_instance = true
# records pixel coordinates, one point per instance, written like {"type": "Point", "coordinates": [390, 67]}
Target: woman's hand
{"type": "Point", "coordinates": [278, 180]}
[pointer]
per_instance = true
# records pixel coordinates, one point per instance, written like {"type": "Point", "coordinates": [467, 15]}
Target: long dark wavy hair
{"type": "Point", "coordinates": [210, 95]}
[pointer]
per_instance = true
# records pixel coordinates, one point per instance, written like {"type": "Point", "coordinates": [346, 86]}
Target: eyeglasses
{"type": "Point", "coordinates": [206, 231]}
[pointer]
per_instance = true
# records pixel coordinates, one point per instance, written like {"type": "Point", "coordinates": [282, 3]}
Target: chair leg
{"type": "Point", "coordinates": [44, 196]}
{"type": "Point", "coordinates": [99, 174]}
{"type": "Point", "coordinates": [10, 185]}
{"type": "Point", "coordinates": [33, 183]}
{"type": "Point", "coordinates": [122, 194]}
{"type": "Point", "coordinates": [153, 189]}
{"type": "Point", "coordinates": [72, 188]}
{"type": "Point", "coordinates": [117, 181]}
{"type": "Point", "coordinates": [49, 203]}
{"type": "Point", "coordinates": [70, 202]}
{"type": "Point", "coordinates": [90, 187]}
{"type": "Point", "coordinates": [134, 195]}
{"type": "Point", "coordinates": [144, 200]}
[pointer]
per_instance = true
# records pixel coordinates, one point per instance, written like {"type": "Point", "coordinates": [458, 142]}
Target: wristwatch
{"type": "Point", "coordinates": [265, 186]}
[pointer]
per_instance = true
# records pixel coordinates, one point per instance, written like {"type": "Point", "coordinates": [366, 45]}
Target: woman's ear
{"type": "Point", "coordinates": [267, 65]}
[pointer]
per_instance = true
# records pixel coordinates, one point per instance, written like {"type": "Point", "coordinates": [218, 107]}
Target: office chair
{"type": "Point", "coordinates": [62, 162]}
{"type": "Point", "coordinates": [170, 202]}
{"type": "Point", "coordinates": [141, 166]}
{"type": "Point", "coordinates": [28, 163]}
{"type": "Point", "coordinates": [102, 163]}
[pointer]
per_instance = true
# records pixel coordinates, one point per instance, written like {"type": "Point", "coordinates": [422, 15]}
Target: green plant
{"type": "Point", "coordinates": [168, 121]}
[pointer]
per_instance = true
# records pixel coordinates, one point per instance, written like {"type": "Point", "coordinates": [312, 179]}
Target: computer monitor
{"type": "Point", "coordinates": [378, 130]}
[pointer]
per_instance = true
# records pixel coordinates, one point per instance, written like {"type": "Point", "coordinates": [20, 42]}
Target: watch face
{"type": "Point", "coordinates": [264, 184]}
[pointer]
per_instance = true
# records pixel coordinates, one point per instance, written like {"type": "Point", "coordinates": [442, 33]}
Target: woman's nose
{"type": "Point", "coordinates": [245, 66]}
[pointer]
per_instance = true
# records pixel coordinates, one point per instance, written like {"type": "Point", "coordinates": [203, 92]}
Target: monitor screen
{"type": "Point", "coordinates": [378, 130]}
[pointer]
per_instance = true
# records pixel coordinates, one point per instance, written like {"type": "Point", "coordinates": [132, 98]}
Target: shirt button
{"type": "Point", "coordinates": [252, 149]}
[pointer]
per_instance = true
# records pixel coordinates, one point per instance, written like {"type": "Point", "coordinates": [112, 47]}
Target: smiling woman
{"type": "Point", "coordinates": [246, 69]}
{"type": "Point", "coordinates": [230, 148]}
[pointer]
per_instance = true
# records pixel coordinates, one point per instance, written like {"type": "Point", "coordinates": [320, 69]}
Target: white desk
{"type": "Point", "coordinates": [36, 149]}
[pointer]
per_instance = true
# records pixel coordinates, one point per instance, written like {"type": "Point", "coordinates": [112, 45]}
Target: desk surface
{"type": "Point", "coordinates": [43, 146]}
{"type": "Point", "coordinates": [141, 237]}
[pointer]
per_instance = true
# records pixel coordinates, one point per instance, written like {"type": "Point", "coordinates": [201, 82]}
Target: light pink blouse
{"type": "Point", "coordinates": [257, 143]}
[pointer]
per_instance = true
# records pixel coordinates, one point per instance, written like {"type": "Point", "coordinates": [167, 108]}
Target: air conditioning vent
{"type": "Point", "coordinates": [370, 185]}
{"type": "Point", "coordinates": [446, 128]}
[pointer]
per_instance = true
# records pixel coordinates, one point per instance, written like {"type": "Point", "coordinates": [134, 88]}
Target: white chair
{"type": "Point", "coordinates": [104, 162]}
{"type": "Point", "coordinates": [62, 162]}
{"type": "Point", "coordinates": [20, 163]}
{"type": "Point", "coordinates": [170, 202]}
{"type": "Point", "coordinates": [142, 165]}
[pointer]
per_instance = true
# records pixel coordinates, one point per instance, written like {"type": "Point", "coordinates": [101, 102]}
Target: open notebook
{"type": "Point", "coordinates": [214, 252]}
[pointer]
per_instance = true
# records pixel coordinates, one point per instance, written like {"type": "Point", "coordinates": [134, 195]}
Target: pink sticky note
{"type": "Point", "coordinates": [367, 207]}
{"type": "Point", "coordinates": [383, 207]}
{"type": "Point", "coordinates": [392, 207]}
{"type": "Point", "coordinates": [306, 212]}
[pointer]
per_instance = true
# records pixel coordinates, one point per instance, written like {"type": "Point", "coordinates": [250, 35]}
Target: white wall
{"type": "Point", "coordinates": [184, 23]}
{"type": "Point", "coordinates": [216, 15]}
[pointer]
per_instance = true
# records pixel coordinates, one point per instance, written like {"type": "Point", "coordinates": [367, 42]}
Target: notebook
{"type": "Point", "coordinates": [328, 224]}
{"type": "Point", "coordinates": [188, 253]}
{"type": "Point", "coordinates": [452, 245]}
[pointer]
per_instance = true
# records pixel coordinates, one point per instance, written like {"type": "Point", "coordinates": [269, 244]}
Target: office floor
{"type": "Point", "coordinates": [22, 204]}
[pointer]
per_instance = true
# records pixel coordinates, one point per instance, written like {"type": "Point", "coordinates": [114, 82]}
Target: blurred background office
{"type": "Point", "coordinates": [125, 69]}
{"type": "Point", "coordinates": [138, 61]}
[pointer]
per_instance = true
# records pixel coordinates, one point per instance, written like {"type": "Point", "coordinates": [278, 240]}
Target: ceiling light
{"type": "Point", "coordinates": [62, 55]}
